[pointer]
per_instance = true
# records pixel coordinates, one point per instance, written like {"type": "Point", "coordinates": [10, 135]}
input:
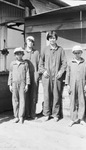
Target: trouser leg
{"type": "Point", "coordinates": [27, 103]}
{"type": "Point", "coordinates": [81, 99]}
{"type": "Point", "coordinates": [34, 99]}
{"type": "Point", "coordinates": [57, 92]}
{"type": "Point", "coordinates": [47, 96]}
{"type": "Point", "coordinates": [21, 100]}
{"type": "Point", "coordinates": [15, 100]}
{"type": "Point", "coordinates": [74, 103]}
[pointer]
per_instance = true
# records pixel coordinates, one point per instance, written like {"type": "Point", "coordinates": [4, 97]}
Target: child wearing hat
{"type": "Point", "coordinates": [18, 84]}
{"type": "Point", "coordinates": [76, 81]}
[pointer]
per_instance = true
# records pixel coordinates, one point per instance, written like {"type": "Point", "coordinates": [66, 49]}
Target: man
{"type": "Point", "coordinates": [52, 65]}
{"type": "Point", "coordinates": [32, 57]}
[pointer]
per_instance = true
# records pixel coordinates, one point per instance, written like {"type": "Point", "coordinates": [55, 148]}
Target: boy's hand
{"type": "Point", "coordinates": [68, 89]}
{"type": "Point", "coordinates": [46, 75]}
{"type": "Point", "coordinates": [26, 88]}
{"type": "Point", "coordinates": [58, 75]}
{"type": "Point", "coordinates": [85, 88]}
{"type": "Point", "coordinates": [10, 88]}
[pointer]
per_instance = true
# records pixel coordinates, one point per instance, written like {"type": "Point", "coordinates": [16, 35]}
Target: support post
{"type": "Point", "coordinates": [3, 45]}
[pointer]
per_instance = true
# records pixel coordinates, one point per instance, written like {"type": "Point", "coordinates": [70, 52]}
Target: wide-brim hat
{"type": "Point", "coordinates": [19, 49]}
{"type": "Point", "coordinates": [76, 48]}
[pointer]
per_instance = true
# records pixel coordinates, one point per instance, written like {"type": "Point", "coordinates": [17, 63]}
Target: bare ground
{"type": "Point", "coordinates": [39, 135]}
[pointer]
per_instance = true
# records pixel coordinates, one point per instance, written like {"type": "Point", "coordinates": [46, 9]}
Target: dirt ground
{"type": "Point", "coordinates": [39, 135]}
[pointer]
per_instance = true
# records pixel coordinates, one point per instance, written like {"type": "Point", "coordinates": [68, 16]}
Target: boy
{"type": "Point", "coordinates": [76, 79]}
{"type": "Point", "coordinates": [52, 66]}
{"type": "Point", "coordinates": [18, 84]}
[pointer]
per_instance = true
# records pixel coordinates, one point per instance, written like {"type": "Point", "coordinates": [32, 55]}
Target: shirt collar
{"type": "Point", "coordinates": [29, 51]}
{"type": "Point", "coordinates": [54, 48]}
{"type": "Point", "coordinates": [19, 62]}
{"type": "Point", "coordinates": [78, 61]}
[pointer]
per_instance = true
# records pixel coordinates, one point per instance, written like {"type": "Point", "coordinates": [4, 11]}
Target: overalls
{"type": "Point", "coordinates": [53, 61]}
{"type": "Point", "coordinates": [32, 58]}
{"type": "Point", "coordinates": [18, 78]}
{"type": "Point", "coordinates": [76, 78]}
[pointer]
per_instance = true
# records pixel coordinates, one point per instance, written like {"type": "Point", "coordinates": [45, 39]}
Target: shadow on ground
{"type": "Point", "coordinates": [6, 116]}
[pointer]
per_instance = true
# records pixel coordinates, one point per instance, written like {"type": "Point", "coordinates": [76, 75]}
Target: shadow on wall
{"type": "Point", "coordinates": [5, 94]}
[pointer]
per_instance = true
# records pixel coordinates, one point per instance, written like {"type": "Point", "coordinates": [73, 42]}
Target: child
{"type": "Point", "coordinates": [76, 81]}
{"type": "Point", "coordinates": [18, 84]}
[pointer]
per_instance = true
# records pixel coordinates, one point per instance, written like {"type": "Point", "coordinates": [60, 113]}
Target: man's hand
{"type": "Point", "coordinates": [10, 88]}
{"type": "Point", "coordinates": [58, 75]}
{"type": "Point", "coordinates": [26, 88]}
{"type": "Point", "coordinates": [46, 75]}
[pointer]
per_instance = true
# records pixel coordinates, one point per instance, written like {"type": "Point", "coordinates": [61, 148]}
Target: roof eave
{"type": "Point", "coordinates": [60, 10]}
{"type": "Point", "coordinates": [14, 5]}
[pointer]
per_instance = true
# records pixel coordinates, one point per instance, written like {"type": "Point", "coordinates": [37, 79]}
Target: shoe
{"type": "Point", "coordinates": [82, 122]}
{"type": "Point", "coordinates": [15, 120]}
{"type": "Point", "coordinates": [21, 120]}
{"type": "Point", "coordinates": [46, 118]}
{"type": "Point", "coordinates": [34, 118]}
{"type": "Point", "coordinates": [71, 123]}
{"type": "Point", "coordinates": [56, 119]}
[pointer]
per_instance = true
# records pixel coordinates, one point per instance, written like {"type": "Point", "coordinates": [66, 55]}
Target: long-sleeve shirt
{"type": "Point", "coordinates": [76, 72]}
{"type": "Point", "coordinates": [19, 72]}
{"type": "Point", "coordinates": [53, 61]}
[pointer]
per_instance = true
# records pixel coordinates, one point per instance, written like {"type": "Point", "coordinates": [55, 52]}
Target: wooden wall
{"type": "Point", "coordinates": [8, 12]}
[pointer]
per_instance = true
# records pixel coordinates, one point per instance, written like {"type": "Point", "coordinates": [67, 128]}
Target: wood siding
{"type": "Point", "coordinates": [8, 12]}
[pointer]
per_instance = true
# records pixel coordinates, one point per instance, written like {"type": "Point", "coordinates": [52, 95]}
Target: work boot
{"type": "Point", "coordinates": [82, 122]}
{"type": "Point", "coordinates": [15, 120]}
{"type": "Point", "coordinates": [71, 123]}
{"type": "Point", "coordinates": [21, 120]}
{"type": "Point", "coordinates": [56, 119]}
{"type": "Point", "coordinates": [46, 118]}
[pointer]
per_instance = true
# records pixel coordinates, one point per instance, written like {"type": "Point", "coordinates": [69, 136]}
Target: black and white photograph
{"type": "Point", "coordinates": [42, 74]}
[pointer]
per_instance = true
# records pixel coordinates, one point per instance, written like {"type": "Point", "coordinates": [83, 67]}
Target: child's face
{"type": "Point", "coordinates": [77, 54]}
{"type": "Point", "coordinates": [19, 55]}
{"type": "Point", "coordinates": [30, 43]}
{"type": "Point", "coordinates": [52, 40]}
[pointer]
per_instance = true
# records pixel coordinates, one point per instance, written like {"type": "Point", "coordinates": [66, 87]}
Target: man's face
{"type": "Point", "coordinates": [52, 40]}
{"type": "Point", "coordinates": [29, 43]}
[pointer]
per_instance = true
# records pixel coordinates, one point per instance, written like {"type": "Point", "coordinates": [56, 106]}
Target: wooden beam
{"type": "Point", "coordinates": [18, 2]}
{"type": "Point", "coordinates": [8, 3]}
{"type": "Point", "coordinates": [55, 26]}
{"type": "Point", "coordinates": [52, 18]}
{"type": "Point", "coordinates": [10, 27]}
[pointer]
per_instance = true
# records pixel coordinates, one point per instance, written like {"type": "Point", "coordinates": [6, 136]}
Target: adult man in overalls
{"type": "Point", "coordinates": [32, 57]}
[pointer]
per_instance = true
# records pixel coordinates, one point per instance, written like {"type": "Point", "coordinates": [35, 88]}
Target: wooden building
{"type": "Point", "coordinates": [10, 16]}
{"type": "Point", "coordinates": [70, 25]}
{"type": "Point", "coordinates": [68, 22]}
{"type": "Point", "coordinates": [35, 17]}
